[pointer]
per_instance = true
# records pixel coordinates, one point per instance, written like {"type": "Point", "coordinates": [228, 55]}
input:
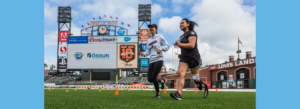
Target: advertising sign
{"type": "Point", "coordinates": [121, 31]}
{"type": "Point", "coordinates": [127, 39]}
{"type": "Point", "coordinates": [212, 67]}
{"type": "Point", "coordinates": [231, 83]}
{"type": "Point", "coordinates": [143, 47]}
{"type": "Point", "coordinates": [62, 50]}
{"type": "Point", "coordinates": [62, 65]}
{"type": "Point", "coordinates": [144, 62]}
{"type": "Point", "coordinates": [78, 40]}
{"type": "Point", "coordinates": [92, 56]}
{"type": "Point", "coordinates": [63, 36]}
{"type": "Point", "coordinates": [102, 39]}
{"type": "Point", "coordinates": [144, 34]}
{"type": "Point", "coordinates": [207, 83]}
{"type": "Point", "coordinates": [127, 56]}
{"type": "Point", "coordinates": [242, 75]}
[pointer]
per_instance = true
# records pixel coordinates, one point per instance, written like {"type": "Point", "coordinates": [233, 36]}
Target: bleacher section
{"type": "Point", "coordinates": [133, 79]}
{"type": "Point", "coordinates": [61, 80]}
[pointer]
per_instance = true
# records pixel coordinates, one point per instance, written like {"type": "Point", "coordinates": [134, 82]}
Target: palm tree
{"type": "Point", "coordinates": [52, 66]}
{"type": "Point", "coordinates": [45, 65]}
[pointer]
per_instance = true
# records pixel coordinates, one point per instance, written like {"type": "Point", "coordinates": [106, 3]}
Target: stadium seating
{"type": "Point", "coordinates": [133, 79]}
{"type": "Point", "coordinates": [61, 80]}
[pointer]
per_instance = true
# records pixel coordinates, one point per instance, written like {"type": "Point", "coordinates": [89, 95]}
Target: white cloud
{"type": "Point", "coordinates": [50, 13]}
{"type": "Point", "coordinates": [183, 1]}
{"type": "Point", "coordinates": [156, 9]}
{"type": "Point", "coordinates": [170, 25]}
{"type": "Point", "coordinates": [219, 29]}
{"type": "Point", "coordinates": [51, 39]}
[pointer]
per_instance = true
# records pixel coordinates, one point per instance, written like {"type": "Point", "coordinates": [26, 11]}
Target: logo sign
{"type": "Point", "coordinates": [86, 30]}
{"type": "Point", "coordinates": [78, 55]}
{"type": "Point", "coordinates": [102, 29]}
{"type": "Point", "coordinates": [144, 34]}
{"type": "Point", "coordinates": [101, 39]}
{"type": "Point", "coordinates": [144, 62]}
{"type": "Point", "coordinates": [127, 39]}
{"type": "Point", "coordinates": [76, 40]}
{"type": "Point", "coordinates": [62, 50]}
{"type": "Point", "coordinates": [62, 65]}
{"type": "Point", "coordinates": [63, 36]}
{"type": "Point", "coordinates": [143, 47]}
{"type": "Point", "coordinates": [127, 56]}
{"type": "Point", "coordinates": [98, 56]}
{"type": "Point", "coordinates": [100, 23]}
{"type": "Point", "coordinates": [121, 31]}
{"type": "Point", "coordinates": [212, 67]}
{"type": "Point", "coordinates": [127, 53]}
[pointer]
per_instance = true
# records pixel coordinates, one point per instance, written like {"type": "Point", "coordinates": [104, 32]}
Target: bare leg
{"type": "Point", "coordinates": [183, 67]}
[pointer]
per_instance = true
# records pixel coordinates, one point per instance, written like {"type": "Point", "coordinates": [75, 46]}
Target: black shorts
{"type": "Point", "coordinates": [191, 61]}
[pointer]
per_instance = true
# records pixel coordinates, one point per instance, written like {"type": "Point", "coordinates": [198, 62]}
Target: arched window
{"type": "Point", "coordinates": [222, 76]}
{"type": "Point", "coordinates": [243, 73]}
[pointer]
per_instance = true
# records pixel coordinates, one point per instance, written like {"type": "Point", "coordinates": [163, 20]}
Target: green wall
{"type": "Point", "coordinates": [113, 72]}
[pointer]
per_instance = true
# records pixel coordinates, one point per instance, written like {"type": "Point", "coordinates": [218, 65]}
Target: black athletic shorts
{"type": "Point", "coordinates": [191, 61]}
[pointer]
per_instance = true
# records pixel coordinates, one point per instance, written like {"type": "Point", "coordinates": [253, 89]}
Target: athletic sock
{"type": "Point", "coordinates": [179, 93]}
{"type": "Point", "coordinates": [196, 77]}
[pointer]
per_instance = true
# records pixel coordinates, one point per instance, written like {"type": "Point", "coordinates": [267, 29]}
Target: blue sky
{"type": "Point", "coordinates": [221, 22]}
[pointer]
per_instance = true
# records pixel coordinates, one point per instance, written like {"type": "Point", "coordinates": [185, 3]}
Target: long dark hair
{"type": "Point", "coordinates": [192, 23]}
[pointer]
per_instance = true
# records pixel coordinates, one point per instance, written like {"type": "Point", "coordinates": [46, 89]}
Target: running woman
{"type": "Point", "coordinates": [189, 57]}
{"type": "Point", "coordinates": [155, 45]}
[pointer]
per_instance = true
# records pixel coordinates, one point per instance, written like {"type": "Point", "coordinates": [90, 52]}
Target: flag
{"type": "Point", "coordinates": [175, 46]}
{"type": "Point", "coordinates": [240, 42]}
{"type": "Point", "coordinates": [88, 24]}
{"type": "Point", "coordinates": [128, 24]}
{"type": "Point", "coordinates": [82, 26]}
{"type": "Point", "coordinates": [99, 17]}
{"type": "Point", "coordinates": [122, 23]}
{"type": "Point", "coordinates": [117, 18]}
{"type": "Point", "coordinates": [110, 17]}
{"type": "Point", "coordinates": [93, 18]}
{"type": "Point", "coordinates": [104, 15]}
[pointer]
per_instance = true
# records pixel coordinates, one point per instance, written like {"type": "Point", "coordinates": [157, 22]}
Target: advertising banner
{"type": "Point", "coordinates": [78, 40]}
{"type": "Point", "coordinates": [127, 39]}
{"type": "Point", "coordinates": [92, 56]}
{"type": "Point", "coordinates": [144, 62]}
{"type": "Point", "coordinates": [143, 47]}
{"type": "Point", "coordinates": [62, 50]}
{"type": "Point", "coordinates": [63, 36]}
{"type": "Point", "coordinates": [231, 83]}
{"type": "Point", "coordinates": [102, 39]}
{"type": "Point", "coordinates": [208, 84]}
{"type": "Point", "coordinates": [144, 34]}
{"type": "Point", "coordinates": [127, 56]}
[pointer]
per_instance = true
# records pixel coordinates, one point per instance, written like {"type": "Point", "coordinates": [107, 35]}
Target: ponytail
{"type": "Point", "coordinates": [192, 23]}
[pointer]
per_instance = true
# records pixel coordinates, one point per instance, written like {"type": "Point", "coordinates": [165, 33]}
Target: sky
{"type": "Point", "coordinates": [220, 24]}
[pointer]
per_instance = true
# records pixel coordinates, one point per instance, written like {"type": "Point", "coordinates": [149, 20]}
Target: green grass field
{"type": "Point", "coordinates": [106, 99]}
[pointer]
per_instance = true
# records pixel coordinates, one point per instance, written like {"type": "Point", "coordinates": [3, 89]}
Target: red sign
{"type": "Point", "coordinates": [63, 36]}
{"type": "Point", "coordinates": [207, 83]}
{"type": "Point", "coordinates": [63, 49]}
{"type": "Point", "coordinates": [144, 34]}
{"type": "Point", "coordinates": [213, 67]}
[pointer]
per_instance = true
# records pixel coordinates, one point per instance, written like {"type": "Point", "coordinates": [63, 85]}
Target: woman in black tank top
{"type": "Point", "coordinates": [189, 57]}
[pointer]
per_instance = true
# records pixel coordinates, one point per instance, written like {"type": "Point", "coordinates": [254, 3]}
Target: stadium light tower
{"type": "Point", "coordinates": [63, 19]}
{"type": "Point", "coordinates": [144, 17]}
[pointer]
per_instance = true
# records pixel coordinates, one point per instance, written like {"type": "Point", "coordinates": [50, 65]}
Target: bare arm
{"type": "Point", "coordinates": [190, 45]}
